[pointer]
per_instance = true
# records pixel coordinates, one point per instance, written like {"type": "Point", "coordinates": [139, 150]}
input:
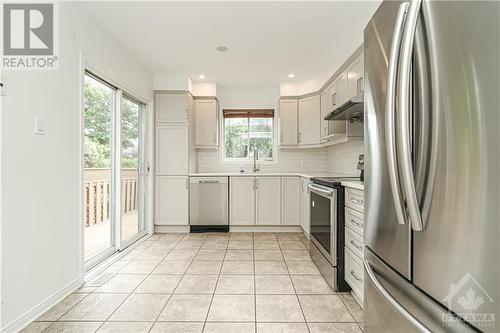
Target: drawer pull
{"type": "Point", "coordinates": [357, 278]}
{"type": "Point", "coordinates": [359, 247]}
{"type": "Point", "coordinates": [361, 225]}
{"type": "Point", "coordinates": [357, 201]}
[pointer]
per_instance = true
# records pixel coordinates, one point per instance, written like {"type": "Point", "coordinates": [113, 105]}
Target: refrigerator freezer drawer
{"type": "Point", "coordinates": [354, 199]}
{"type": "Point", "coordinates": [354, 272]}
{"type": "Point", "coordinates": [416, 312]}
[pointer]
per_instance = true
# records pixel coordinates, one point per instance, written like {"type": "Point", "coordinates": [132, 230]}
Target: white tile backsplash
{"type": "Point", "coordinates": [314, 160]}
{"type": "Point", "coordinates": [343, 158]}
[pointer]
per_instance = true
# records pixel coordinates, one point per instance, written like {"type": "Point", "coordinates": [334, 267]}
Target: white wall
{"type": "Point", "coordinates": [343, 158]}
{"type": "Point", "coordinates": [286, 160]}
{"type": "Point", "coordinates": [40, 216]}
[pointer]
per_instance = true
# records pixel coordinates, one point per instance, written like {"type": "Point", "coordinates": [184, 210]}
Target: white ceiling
{"type": "Point", "coordinates": [266, 40]}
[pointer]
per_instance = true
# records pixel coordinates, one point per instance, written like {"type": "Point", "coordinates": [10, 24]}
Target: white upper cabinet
{"type": "Point", "coordinates": [206, 123]}
{"type": "Point", "coordinates": [171, 150]}
{"type": "Point", "coordinates": [268, 200]}
{"type": "Point", "coordinates": [242, 201]}
{"type": "Point", "coordinates": [171, 200]}
{"type": "Point", "coordinates": [325, 109]}
{"type": "Point", "coordinates": [355, 73]}
{"type": "Point", "coordinates": [310, 121]}
{"type": "Point", "coordinates": [288, 122]}
{"type": "Point", "coordinates": [290, 200]}
{"type": "Point", "coordinates": [332, 102]}
{"type": "Point", "coordinates": [341, 86]}
{"type": "Point", "coordinates": [171, 107]}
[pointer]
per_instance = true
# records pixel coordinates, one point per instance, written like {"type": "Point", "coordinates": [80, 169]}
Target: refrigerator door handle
{"type": "Point", "coordinates": [390, 137]}
{"type": "Point", "coordinates": [404, 99]}
{"type": "Point", "coordinates": [380, 288]}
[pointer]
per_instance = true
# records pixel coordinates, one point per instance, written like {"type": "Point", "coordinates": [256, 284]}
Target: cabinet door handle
{"type": "Point", "coordinates": [359, 247]}
{"type": "Point", "coordinates": [357, 201]}
{"type": "Point", "coordinates": [357, 278]}
{"type": "Point", "coordinates": [256, 184]}
{"type": "Point", "coordinates": [187, 113]}
{"type": "Point", "coordinates": [361, 225]}
{"type": "Point", "coordinates": [187, 183]}
{"type": "Point", "coordinates": [334, 99]}
{"type": "Point", "coordinates": [299, 137]}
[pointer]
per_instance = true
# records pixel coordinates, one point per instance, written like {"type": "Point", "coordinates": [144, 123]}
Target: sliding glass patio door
{"type": "Point", "coordinates": [113, 153]}
{"type": "Point", "coordinates": [132, 184]}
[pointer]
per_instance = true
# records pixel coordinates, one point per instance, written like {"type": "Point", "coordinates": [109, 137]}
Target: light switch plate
{"type": "Point", "coordinates": [39, 126]}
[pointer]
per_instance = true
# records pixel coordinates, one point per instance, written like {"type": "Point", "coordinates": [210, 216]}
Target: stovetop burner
{"type": "Point", "coordinates": [332, 181]}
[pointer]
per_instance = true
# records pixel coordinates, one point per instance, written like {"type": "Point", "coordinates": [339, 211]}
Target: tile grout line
{"type": "Point", "coordinates": [215, 287]}
{"type": "Point", "coordinates": [295, 290]}
{"type": "Point", "coordinates": [58, 319]}
{"type": "Point", "coordinates": [191, 262]}
{"type": "Point", "coordinates": [180, 280]}
{"type": "Point", "coordinates": [130, 294]}
{"type": "Point", "coordinates": [348, 310]}
{"type": "Point", "coordinates": [254, 285]}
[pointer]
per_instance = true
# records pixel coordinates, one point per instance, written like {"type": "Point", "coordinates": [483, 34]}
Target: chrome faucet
{"type": "Point", "coordinates": [255, 158]}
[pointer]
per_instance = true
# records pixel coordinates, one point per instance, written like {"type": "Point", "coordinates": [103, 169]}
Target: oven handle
{"type": "Point", "coordinates": [321, 190]}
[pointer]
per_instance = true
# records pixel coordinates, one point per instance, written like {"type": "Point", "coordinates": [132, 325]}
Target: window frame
{"type": "Point", "coordinates": [248, 160]}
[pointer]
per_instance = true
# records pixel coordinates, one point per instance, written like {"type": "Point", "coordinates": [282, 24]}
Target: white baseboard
{"type": "Point", "coordinates": [171, 229]}
{"type": "Point", "coordinates": [264, 228]}
{"type": "Point", "coordinates": [35, 312]}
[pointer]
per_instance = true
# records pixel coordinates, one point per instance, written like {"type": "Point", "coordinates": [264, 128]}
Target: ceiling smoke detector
{"type": "Point", "coordinates": [222, 48]}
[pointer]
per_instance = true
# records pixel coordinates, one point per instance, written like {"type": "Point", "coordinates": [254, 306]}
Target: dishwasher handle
{"type": "Point", "coordinates": [208, 180]}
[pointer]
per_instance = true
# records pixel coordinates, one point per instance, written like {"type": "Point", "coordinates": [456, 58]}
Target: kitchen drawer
{"type": "Point", "coordinates": [355, 221]}
{"type": "Point", "coordinates": [354, 242]}
{"type": "Point", "coordinates": [354, 272]}
{"type": "Point", "coordinates": [354, 199]}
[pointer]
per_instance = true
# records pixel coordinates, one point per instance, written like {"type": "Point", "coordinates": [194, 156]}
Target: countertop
{"type": "Point", "coordinates": [354, 184]}
{"type": "Point", "coordinates": [305, 174]}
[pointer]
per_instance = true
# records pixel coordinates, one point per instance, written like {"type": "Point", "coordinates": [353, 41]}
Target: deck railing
{"type": "Point", "coordinates": [97, 193]}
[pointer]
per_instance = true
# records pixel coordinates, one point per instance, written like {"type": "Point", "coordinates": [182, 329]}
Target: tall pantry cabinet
{"type": "Point", "coordinates": [175, 157]}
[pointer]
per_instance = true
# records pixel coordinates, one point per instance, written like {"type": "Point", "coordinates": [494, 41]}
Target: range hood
{"type": "Point", "coordinates": [350, 110]}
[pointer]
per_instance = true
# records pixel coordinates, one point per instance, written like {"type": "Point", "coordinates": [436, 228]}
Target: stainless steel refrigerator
{"type": "Point", "coordinates": [432, 151]}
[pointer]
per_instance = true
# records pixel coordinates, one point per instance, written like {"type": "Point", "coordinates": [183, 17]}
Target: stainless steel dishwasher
{"type": "Point", "coordinates": [208, 204]}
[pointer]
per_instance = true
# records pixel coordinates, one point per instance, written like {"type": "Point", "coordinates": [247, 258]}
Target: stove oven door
{"type": "Point", "coordinates": [323, 217]}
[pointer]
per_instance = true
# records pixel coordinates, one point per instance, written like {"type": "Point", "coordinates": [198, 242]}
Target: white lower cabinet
{"type": "Point", "coordinates": [354, 272]}
{"type": "Point", "coordinates": [305, 222]}
{"type": "Point", "coordinates": [290, 200]}
{"type": "Point", "coordinates": [242, 200]}
{"type": "Point", "coordinates": [172, 200]}
{"type": "Point", "coordinates": [264, 201]}
{"type": "Point", "coordinates": [268, 200]}
{"type": "Point", "coordinates": [354, 244]}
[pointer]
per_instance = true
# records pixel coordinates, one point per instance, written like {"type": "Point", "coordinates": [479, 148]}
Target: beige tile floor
{"type": "Point", "coordinates": [238, 282]}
